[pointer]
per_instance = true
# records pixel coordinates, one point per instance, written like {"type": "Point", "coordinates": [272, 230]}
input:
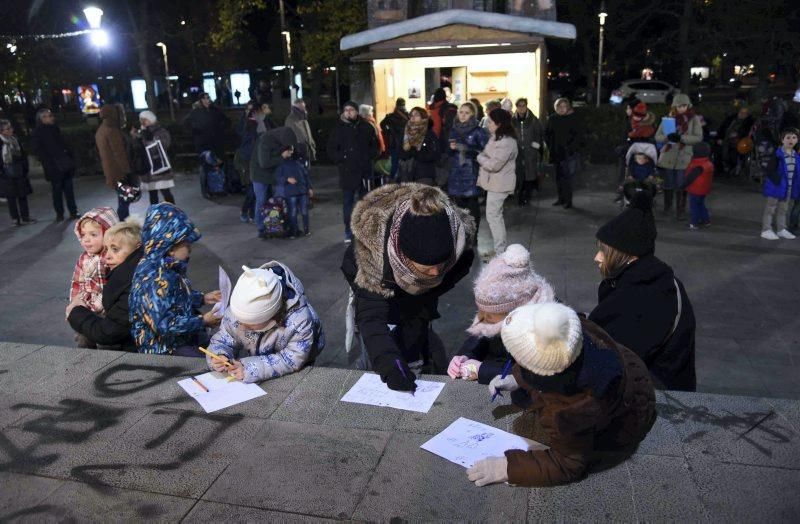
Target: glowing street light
{"type": "Point", "coordinates": [602, 16]}
{"type": "Point", "coordinates": [99, 38]}
{"type": "Point", "coordinates": [93, 16]}
{"type": "Point", "coordinates": [163, 47]}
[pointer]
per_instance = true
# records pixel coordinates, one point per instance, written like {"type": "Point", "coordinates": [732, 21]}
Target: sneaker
{"type": "Point", "coordinates": [769, 234]}
{"type": "Point", "coordinates": [705, 224]}
{"type": "Point", "coordinates": [307, 234]}
{"type": "Point", "coordinates": [558, 203]}
{"type": "Point", "coordinates": [59, 218]}
{"type": "Point", "coordinates": [348, 240]}
{"type": "Point", "coordinates": [783, 233]}
{"type": "Point", "coordinates": [693, 227]}
{"type": "Point", "coordinates": [251, 221]}
{"type": "Point", "coordinates": [26, 221]}
{"type": "Point", "coordinates": [16, 223]}
{"type": "Point", "coordinates": [243, 219]}
{"type": "Point", "coordinates": [262, 235]}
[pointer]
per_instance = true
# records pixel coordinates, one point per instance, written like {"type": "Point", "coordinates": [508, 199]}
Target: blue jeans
{"type": "Point", "coordinates": [122, 208]}
{"type": "Point", "coordinates": [349, 198]}
{"type": "Point", "coordinates": [673, 178]}
{"type": "Point", "coordinates": [292, 205]}
{"type": "Point", "coordinates": [262, 194]}
{"type": "Point", "coordinates": [698, 212]}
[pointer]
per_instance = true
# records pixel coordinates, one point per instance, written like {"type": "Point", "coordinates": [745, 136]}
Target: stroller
{"type": "Point", "coordinates": [219, 179]}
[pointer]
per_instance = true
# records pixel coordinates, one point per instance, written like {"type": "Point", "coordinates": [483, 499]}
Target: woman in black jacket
{"type": "Point", "coordinates": [57, 161]}
{"type": "Point", "coordinates": [411, 246]}
{"type": "Point", "coordinates": [113, 329]}
{"type": "Point", "coordinates": [641, 303]}
{"type": "Point", "coordinates": [14, 182]}
{"type": "Point", "coordinates": [420, 151]}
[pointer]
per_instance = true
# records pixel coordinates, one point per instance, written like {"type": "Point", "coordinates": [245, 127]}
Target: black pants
{"type": "Point", "coordinates": [564, 176]}
{"type": "Point", "coordinates": [123, 208]}
{"type": "Point", "coordinates": [18, 208]}
{"type": "Point", "coordinates": [165, 192]}
{"type": "Point", "coordinates": [63, 189]}
{"type": "Point", "coordinates": [525, 190]}
{"type": "Point", "coordinates": [471, 205]}
{"type": "Point", "coordinates": [249, 204]}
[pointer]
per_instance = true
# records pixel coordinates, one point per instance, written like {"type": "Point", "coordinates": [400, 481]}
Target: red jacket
{"type": "Point", "coordinates": [701, 185]}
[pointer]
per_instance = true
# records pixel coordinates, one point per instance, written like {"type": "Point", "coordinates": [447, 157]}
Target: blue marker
{"type": "Point", "coordinates": [403, 371]}
{"type": "Point", "coordinates": [506, 371]}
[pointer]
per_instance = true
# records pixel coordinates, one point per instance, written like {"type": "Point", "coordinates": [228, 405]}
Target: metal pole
{"type": "Point", "coordinates": [169, 89]}
{"type": "Point", "coordinates": [599, 65]}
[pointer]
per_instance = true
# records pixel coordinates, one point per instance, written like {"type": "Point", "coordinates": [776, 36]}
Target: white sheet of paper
{"type": "Point", "coordinates": [221, 393]}
{"type": "Point", "coordinates": [372, 391]}
{"type": "Point", "coordinates": [465, 442]}
{"type": "Point", "coordinates": [225, 290]}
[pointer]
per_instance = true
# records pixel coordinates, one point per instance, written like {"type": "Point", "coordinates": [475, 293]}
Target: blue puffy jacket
{"type": "Point", "coordinates": [776, 183]}
{"type": "Point", "coordinates": [162, 303]}
{"type": "Point", "coordinates": [463, 167]}
{"type": "Point", "coordinates": [291, 168]}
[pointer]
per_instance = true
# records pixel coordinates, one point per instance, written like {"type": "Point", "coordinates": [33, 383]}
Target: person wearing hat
{"type": "Point", "coordinates": [564, 135]}
{"type": "Point", "coordinates": [150, 133]}
{"type": "Point", "coordinates": [641, 303]}
{"type": "Point", "coordinates": [353, 145]}
{"type": "Point", "coordinates": [411, 246]}
{"type": "Point", "coordinates": [699, 175]}
{"type": "Point", "coordinates": [271, 322]}
{"type": "Point", "coordinates": [677, 151]}
{"type": "Point", "coordinates": [393, 126]}
{"type": "Point", "coordinates": [587, 394]}
{"type": "Point", "coordinates": [497, 174]}
{"type": "Point", "coordinates": [208, 125]}
{"type": "Point", "coordinates": [642, 124]}
{"type": "Point", "coordinates": [505, 283]}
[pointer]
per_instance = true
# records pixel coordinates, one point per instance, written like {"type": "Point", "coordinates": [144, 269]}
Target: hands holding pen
{"type": "Point", "coordinates": [221, 364]}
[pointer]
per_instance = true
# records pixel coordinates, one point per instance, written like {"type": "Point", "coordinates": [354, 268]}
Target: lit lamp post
{"type": "Point", "coordinates": [97, 36]}
{"type": "Point", "coordinates": [602, 16]}
{"type": "Point", "coordinates": [163, 47]}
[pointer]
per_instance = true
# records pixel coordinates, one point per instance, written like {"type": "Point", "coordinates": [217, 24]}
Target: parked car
{"type": "Point", "coordinates": [648, 91]}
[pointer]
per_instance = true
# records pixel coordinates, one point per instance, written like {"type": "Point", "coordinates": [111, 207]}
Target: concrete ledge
{"type": "Point", "coordinates": [103, 436]}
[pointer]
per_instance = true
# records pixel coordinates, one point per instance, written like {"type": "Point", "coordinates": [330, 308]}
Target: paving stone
{"type": "Point", "coordinates": [20, 493]}
{"type": "Point", "coordinates": [663, 439]}
{"type": "Point", "coordinates": [216, 512]}
{"type": "Point", "coordinates": [741, 430]}
{"type": "Point", "coordinates": [285, 459]}
{"type": "Point", "coordinates": [602, 496]}
{"type": "Point", "coordinates": [409, 484]}
{"type": "Point", "coordinates": [173, 452]}
{"type": "Point", "coordinates": [788, 409]}
{"type": "Point", "coordinates": [315, 396]}
{"type": "Point", "coordinates": [10, 351]}
{"type": "Point", "coordinates": [663, 488]}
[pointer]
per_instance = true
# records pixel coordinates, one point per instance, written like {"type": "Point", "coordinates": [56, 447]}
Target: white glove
{"type": "Point", "coordinates": [489, 471]}
{"type": "Point", "coordinates": [536, 145]}
{"type": "Point", "coordinates": [503, 384]}
{"type": "Point", "coordinates": [454, 369]}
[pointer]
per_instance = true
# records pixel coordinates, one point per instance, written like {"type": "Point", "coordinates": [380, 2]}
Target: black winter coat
{"type": "Point", "coordinates": [16, 185]}
{"type": "Point", "coordinates": [490, 352]}
{"type": "Point", "coordinates": [564, 136]}
{"type": "Point", "coordinates": [410, 313]}
{"type": "Point", "coordinates": [425, 159]}
{"type": "Point", "coordinates": [352, 147]}
{"type": "Point", "coordinates": [393, 126]}
{"type": "Point", "coordinates": [637, 307]}
{"type": "Point", "coordinates": [49, 147]}
{"type": "Point", "coordinates": [114, 329]}
{"type": "Point", "coordinates": [208, 127]}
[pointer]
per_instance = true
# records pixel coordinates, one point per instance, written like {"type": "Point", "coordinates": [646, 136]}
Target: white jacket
{"type": "Point", "coordinates": [498, 164]}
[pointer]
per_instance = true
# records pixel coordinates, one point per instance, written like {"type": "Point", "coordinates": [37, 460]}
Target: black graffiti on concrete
{"type": "Point", "coordinates": [112, 382]}
{"type": "Point", "coordinates": [73, 421]}
{"type": "Point", "coordinates": [743, 424]}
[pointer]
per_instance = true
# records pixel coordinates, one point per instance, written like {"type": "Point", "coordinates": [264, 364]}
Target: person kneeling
{"type": "Point", "coordinates": [270, 319]}
{"type": "Point", "coordinates": [112, 330]}
{"type": "Point", "coordinates": [588, 394]}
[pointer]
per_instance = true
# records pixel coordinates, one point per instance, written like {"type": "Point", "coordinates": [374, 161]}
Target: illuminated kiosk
{"type": "Point", "coordinates": [480, 55]}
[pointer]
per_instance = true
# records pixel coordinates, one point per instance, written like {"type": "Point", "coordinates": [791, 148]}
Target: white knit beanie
{"type": "Point", "coordinates": [256, 298]}
{"type": "Point", "coordinates": [543, 338]}
{"type": "Point", "coordinates": [148, 115]}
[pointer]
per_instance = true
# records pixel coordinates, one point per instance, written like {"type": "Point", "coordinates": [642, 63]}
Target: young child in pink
{"type": "Point", "coordinates": [90, 271]}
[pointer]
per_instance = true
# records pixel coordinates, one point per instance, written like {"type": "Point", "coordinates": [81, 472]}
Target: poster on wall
{"type": "Point", "coordinates": [89, 99]}
{"type": "Point", "coordinates": [413, 90]}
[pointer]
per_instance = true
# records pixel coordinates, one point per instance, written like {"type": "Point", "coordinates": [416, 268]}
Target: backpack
{"type": "Point", "coordinates": [274, 213]}
{"type": "Point", "coordinates": [215, 180]}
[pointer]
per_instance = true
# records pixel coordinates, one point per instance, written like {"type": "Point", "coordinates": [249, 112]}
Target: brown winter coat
{"type": "Point", "coordinates": [578, 426]}
{"type": "Point", "coordinates": [112, 147]}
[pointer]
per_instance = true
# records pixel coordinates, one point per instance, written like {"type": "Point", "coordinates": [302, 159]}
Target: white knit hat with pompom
{"type": "Point", "coordinates": [543, 338]}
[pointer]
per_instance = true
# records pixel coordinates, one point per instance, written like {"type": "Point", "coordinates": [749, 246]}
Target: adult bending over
{"type": "Point", "coordinates": [640, 302]}
{"type": "Point", "coordinates": [412, 245]}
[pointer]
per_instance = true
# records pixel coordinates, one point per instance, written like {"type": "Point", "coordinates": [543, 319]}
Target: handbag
{"type": "Point", "coordinates": [128, 189]}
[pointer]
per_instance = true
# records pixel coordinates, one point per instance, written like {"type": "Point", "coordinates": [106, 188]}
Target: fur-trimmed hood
{"type": "Point", "coordinates": [369, 222]}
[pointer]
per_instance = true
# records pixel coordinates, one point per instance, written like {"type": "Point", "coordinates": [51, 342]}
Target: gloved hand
{"type": "Point", "coordinates": [469, 369]}
{"type": "Point", "coordinates": [454, 369]}
{"type": "Point", "coordinates": [489, 471]}
{"type": "Point", "coordinates": [399, 380]}
{"type": "Point", "coordinates": [503, 384]}
{"type": "Point", "coordinates": [674, 137]}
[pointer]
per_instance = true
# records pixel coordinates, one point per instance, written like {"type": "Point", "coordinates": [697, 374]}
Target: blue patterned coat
{"type": "Point", "coordinates": [162, 303]}
{"type": "Point", "coordinates": [463, 166]}
{"type": "Point", "coordinates": [285, 345]}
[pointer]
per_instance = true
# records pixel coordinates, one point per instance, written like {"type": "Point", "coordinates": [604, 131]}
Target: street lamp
{"type": "Point", "coordinates": [163, 47]}
{"type": "Point", "coordinates": [602, 16]}
{"type": "Point", "coordinates": [93, 15]}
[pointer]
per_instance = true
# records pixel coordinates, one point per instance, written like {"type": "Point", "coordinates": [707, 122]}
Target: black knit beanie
{"type": "Point", "coordinates": [634, 230]}
{"type": "Point", "coordinates": [426, 240]}
{"type": "Point", "coordinates": [350, 103]}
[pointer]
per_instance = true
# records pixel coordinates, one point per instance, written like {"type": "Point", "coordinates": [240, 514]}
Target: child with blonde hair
{"type": "Point", "coordinates": [112, 329]}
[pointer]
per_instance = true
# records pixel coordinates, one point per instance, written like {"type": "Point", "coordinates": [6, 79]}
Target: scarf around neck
{"type": "Point", "coordinates": [682, 121]}
{"type": "Point", "coordinates": [11, 149]}
{"type": "Point", "coordinates": [415, 133]}
{"type": "Point", "coordinates": [409, 280]}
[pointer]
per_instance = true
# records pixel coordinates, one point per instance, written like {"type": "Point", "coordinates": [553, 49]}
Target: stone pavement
{"type": "Point", "coordinates": [744, 289]}
{"type": "Point", "coordinates": [106, 436]}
